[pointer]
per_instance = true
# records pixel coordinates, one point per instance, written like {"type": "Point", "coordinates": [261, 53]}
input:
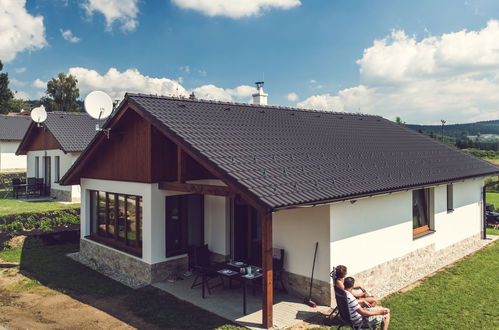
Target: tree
{"type": "Point", "coordinates": [62, 94]}
{"type": "Point", "coordinates": [399, 121]}
{"type": "Point", "coordinates": [5, 93]}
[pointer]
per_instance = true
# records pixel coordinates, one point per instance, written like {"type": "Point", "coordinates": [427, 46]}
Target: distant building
{"type": "Point", "coordinates": [52, 148]}
{"type": "Point", "coordinates": [12, 130]}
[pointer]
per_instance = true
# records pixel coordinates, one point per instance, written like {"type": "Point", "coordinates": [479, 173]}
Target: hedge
{"type": "Point", "coordinates": [13, 225]}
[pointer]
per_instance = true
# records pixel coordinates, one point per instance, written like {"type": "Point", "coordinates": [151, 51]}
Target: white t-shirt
{"type": "Point", "coordinates": [353, 306]}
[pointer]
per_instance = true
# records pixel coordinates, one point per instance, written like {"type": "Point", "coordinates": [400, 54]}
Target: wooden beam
{"type": "Point", "coordinates": [181, 165]}
{"type": "Point", "coordinates": [202, 189]}
{"type": "Point", "coordinates": [267, 302]}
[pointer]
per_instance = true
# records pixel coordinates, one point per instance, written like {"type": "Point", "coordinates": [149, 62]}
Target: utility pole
{"type": "Point", "coordinates": [443, 123]}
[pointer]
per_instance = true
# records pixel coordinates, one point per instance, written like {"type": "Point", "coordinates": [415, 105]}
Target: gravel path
{"type": "Point", "coordinates": [409, 279]}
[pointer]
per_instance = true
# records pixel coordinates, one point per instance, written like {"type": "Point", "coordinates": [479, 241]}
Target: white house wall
{"type": "Point", "coordinates": [8, 158]}
{"type": "Point", "coordinates": [66, 160]}
{"type": "Point", "coordinates": [375, 230]}
{"type": "Point", "coordinates": [296, 231]}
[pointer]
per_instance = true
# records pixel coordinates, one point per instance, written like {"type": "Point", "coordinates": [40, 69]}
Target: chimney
{"type": "Point", "coordinates": [260, 98]}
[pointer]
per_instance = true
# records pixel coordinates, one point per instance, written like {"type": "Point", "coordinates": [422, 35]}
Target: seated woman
{"type": "Point", "coordinates": [364, 299]}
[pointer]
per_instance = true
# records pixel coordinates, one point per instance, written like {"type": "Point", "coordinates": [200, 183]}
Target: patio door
{"type": "Point", "coordinates": [47, 174]}
{"type": "Point", "coordinates": [246, 234]}
{"type": "Point", "coordinates": [184, 222]}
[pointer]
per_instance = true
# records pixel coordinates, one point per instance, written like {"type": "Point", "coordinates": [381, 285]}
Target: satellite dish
{"type": "Point", "coordinates": [98, 105]}
{"type": "Point", "coordinates": [39, 115]}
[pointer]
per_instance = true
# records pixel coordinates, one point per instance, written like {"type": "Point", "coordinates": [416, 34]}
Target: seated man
{"type": "Point", "coordinates": [364, 317]}
{"type": "Point", "coordinates": [364, 298]}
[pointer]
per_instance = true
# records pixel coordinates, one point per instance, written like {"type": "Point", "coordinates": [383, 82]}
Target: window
{"type": "Point", "coordinates": [420, 211]}
{"type": "Point", "coordinates": [57, 168]}
{"type": "Point", "coordinates": [184, 223]}
{"type": "Point", "coordinates": [37, 167]}
{"type": "Point", "coordinates": [450, 198]}
{"type": "Point", "coordinates": [116, 220]}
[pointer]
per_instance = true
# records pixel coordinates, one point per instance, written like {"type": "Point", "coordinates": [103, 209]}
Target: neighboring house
{"type": "Point", "coordinates": [12, 130]}
{"type": "Point", "coordinates": [53, 146]}
{"type": "Point", "coordinates": [173, 172]}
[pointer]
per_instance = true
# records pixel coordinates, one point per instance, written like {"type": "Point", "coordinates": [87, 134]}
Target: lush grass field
{"type": "Point", "coordinates": [493, 198]}
{"type": "Point", "coordinates": [8, 206]}
{"type": "Point", "coordinates": [461, 297]}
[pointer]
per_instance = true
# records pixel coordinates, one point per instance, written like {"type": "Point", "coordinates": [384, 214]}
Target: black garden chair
{"type": "Point", "coordinates": [199, 261]}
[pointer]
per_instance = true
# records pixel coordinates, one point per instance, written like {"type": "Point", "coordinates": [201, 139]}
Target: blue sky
{"type": "Point", "coordinates": [421, 60]}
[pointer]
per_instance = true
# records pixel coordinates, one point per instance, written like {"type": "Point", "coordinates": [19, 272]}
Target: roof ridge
{"type": "Point", "coordinates": [280, 107]}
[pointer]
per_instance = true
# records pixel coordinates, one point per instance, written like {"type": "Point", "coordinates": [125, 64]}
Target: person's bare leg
{"type": "Point", "coordinates": [386, 321]}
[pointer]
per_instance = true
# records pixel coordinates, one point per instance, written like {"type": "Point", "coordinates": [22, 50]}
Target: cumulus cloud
{"type": "Point", "coordinates": [117, 83]}
{"type": "Point", "coordinates": [19, 31]}
{"type": "Point", "coordinates": [38, 83]}
{"type": "Point", "coordinates": [68, 35]}
{"type": "Point", "coordinates": [20, 70]}
{"type": "Point", "coordinates": [123, 11]}
{"type": "Point", "coordinates": [454, 76]}
{"type": "Point", "coordinates": [21, 95]}
{"type": "Point", "coordinates": [17, 82]}
{"type": "Point", "coordinates": [292, 97]}
{"type": "Point", "coordinates": [235, 8]}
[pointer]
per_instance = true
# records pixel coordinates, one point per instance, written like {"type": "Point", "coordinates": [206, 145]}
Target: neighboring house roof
{"type": "Point", "coordinates": [13, 127]}
{"type": "Point", "coordinates": [72, 131]}
{"type": "Point", "coordinates": [287, 157]}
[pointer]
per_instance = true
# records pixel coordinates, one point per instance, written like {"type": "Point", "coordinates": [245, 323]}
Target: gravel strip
{"type": "Point", "coordinates": [107, 271]}
{"type": "Point", "coordinates": [425, 269]}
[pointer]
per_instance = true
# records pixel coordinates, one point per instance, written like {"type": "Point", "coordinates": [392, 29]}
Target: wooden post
{"type": "Point", "coordinates": [181, 165]}
{"type": "Point", "coordinates": [267, 303]}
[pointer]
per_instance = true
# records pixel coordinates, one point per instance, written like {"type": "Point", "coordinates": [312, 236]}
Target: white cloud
{"type": "Point", "coordinates": [19, 31]}
{"type": "Point", "coordinates": [68, 35]}
{"type": "Point", "coordinates": [211, 92]}
{"type": "Point", "coordinates": [21, 95]}
{"type": "Point", "coordinates": [40, 84]}
{"type": "Point", "coordinates": [292, 97]}
{"type": "Point", "coordinates": [20, 70]}
{"type": "Point", "coordinates": [235, 8]}
{"type": "Point", "coordinates": [16, 82]}
{"type": "Point", "coordinates": [186, 69]}
{"type": "Point", "coordinates": [123, 11]}
{"type": "Point", "coordinates": [454, 76]}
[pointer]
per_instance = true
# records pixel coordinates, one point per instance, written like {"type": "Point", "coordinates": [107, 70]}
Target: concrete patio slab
{"type": "Point", "coordinates": [228, 303]}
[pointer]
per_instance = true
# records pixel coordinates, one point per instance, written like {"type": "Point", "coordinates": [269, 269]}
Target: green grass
{"type": "Point", "coordinates": [8, 206]}
{"type": "Point", "coordinates": [461, 297]}
{"type": "Point", "coordinates": [492, 231]}
{"type": "Point", "coordinates": [493, 198]}
{"type": "Point", "coordinates": [47, 267]}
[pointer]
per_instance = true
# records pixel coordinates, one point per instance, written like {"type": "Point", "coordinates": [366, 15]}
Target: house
{"type": "Point", "coordinates": [53, 146]}
{"type": "Point", "coordinates": [242, 178]}
{"type": "Point", "coordinates": [12, 129]}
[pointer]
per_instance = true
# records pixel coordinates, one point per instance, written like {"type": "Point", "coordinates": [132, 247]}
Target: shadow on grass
{"type": "Point", "coordinates": [43, 258]}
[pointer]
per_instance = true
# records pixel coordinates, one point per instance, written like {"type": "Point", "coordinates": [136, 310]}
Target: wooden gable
{"type": "Point", "coordinates": [137, 151]}
{"type": "Point", "coordinates": [38, 138]}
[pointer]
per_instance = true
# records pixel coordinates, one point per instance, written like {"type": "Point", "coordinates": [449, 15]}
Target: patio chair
{"type": "Point", "coordinates": [40, 186]}
{"type": "Point", "coordinates": [32, 188]}
{"type": "Point", "coordinates": [202, 265]}
{"type": "Point", "coordinates": [278, 266]}
{"type": "Point", "coordinates": [343, 317]}
{"type": "Point", "coordinates": [16, 187]}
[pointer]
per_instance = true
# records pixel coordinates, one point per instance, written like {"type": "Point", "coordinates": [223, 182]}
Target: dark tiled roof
{"type": "Point", "coordinates": [288, 157]}
{"type": "Point", "coordinates": [73, 131]}
{"type": "Point", "coordinates": [13, 127]}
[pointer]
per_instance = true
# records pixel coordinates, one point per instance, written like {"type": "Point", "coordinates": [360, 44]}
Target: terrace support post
{"type": "Point", "coordinates": [267, 302]}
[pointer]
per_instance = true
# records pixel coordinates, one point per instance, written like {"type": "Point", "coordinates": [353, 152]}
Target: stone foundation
{"type": "Point", "coordinates": [396, 274]}
{"type": "Point", "coordinates": [299, 285]}
{"type": "Point", "coordinates": [61, 195]}
{"type": "Point", "coordinates": [130, 265]}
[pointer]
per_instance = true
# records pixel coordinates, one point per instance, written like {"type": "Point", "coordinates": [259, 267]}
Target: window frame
{"type": "Point", "coordinates": [450, 198]}
{"type": "Point", "coordinates": [113, 239]}
{"type": "Point", "coordinates": [426, 228]}
{"type": "Point", "coordinates": [37, 167]}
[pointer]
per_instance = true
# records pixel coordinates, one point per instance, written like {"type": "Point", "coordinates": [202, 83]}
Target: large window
{"type": "Point", "coordinates": [450, 198]}
{"type": "Point", "coordinates": [420, 211]}
{"type": "Point", "coordinates": [116, 220]}
{"type": "Point", "coordinates": [57, 165]}
{"type": "Point", "coordinates": [37, 167]}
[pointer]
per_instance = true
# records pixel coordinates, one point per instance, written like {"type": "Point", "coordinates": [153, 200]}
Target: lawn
{"type": "Point", "coordinates": [48, 271]}
{"type": "Point", "coordinates": [464, 296]}
{"type": "Point", "coordinates": [9, 206]}
{"type": "Point", "coordinates": [493, 198]}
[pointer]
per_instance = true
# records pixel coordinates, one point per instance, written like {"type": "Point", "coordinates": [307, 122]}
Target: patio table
{"type": "Point", "coordinates": [232, 273]}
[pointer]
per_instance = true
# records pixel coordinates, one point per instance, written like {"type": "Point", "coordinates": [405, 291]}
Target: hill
{"type": "Point", "coordinates": [460, 131]}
